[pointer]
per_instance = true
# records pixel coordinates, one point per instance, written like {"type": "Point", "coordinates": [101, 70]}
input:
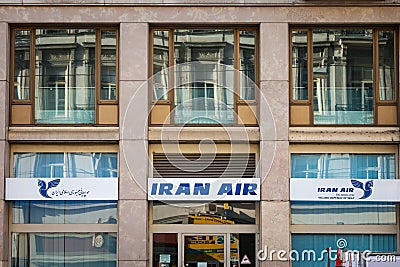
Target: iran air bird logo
{"type": "Point", "coordinates": [367, 188]}
{"type": "Point", "coordinates": [43, 187]}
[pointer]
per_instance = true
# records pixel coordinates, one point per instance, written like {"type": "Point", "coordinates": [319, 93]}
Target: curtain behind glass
{"type": "Point", "coordinates": [64, 165]}
{"type": "Point", "coordinates": [358, 166]}
{"type": "Point", "coordinates": [343, 213]}
{"type": "Point", "coordinates": [64, 249]}
{"type": "Point", "coordinates": [319, 242]}
{"type": "Point", "coordinates": [65, 76]}
{"type": "Point", "coordinates": [343, 76]}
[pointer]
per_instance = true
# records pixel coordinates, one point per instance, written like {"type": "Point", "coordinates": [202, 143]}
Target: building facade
{"type": "Point", "coordinates": [198, 133]}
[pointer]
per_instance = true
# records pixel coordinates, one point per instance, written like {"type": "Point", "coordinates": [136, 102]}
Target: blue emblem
{"type": "Point", "coordinates": [367, 188]}
{"type": "Point", "coordinates": [43, 188]}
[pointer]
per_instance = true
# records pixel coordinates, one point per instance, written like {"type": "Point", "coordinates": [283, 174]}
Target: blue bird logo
{"type": "Point", "coordinates": [367, 189]}
{"type": "Point", "coordinates": [43, 188]}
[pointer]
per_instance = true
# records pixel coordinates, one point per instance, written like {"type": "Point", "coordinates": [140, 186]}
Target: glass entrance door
{"type": "Point", "coordinates": [204, 250]}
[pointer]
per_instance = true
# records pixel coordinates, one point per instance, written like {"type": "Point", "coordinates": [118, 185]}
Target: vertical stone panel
{"type": "Point", "coordinates": [276, 228]}
{"type": "Point", "coordinates": [275, 176]}
{"type": "Point", "coordinates": [133, 171]}
{"type": "Point", "coordinates": [132, 232]}
{"type": "Point", "coordinates": [133, 110]}
{"type": "Point", "coordinates": [133, 51]}
{"type": "Point", "coordinates": [274, 51]}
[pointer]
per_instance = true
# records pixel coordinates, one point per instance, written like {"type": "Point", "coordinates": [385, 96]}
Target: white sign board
{"type": "Point", "coordinates": [204, 189]}
{"type": "Point", "coordinates": [62, 189]}
{"type": "Point", "coordinates": [385, 190]}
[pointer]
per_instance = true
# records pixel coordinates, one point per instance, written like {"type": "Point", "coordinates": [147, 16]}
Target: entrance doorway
{"type": "Point", "coordinates": [204, 250]}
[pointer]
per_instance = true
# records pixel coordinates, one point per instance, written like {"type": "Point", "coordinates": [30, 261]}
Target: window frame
{"type": "Point", "coordinates": [58, 228]}
{"type": "Point", "coordinates": [32, 55]}
{"type": "Point", "coordinates": [236, 66]}
{"type": "Point", "coordinates": [375, 57]}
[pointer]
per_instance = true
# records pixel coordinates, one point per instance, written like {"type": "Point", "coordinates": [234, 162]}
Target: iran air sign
{"type": "Point", "coordinates": [385, 190]}
{"type": "Point", "coordinates": [208, 189]}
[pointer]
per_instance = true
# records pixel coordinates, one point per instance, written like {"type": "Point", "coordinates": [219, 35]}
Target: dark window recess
{"type": "Point", "coordinates": [204, 165]}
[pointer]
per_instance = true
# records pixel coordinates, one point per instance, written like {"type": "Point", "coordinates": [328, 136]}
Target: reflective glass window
{"type": "Point", "coordinates": [22, 44]}
{"type": "Point", "coordinates": [64, 212]}
{"type": "Point", "coordinates": [160, 77]}
{"type": "Point", "coordinates": [108, 89]}
{"type": "Point", "coordinates": [64, 249]}
{"type": "Point", "coordinates": [64, 165]}
{"type": "Point", "coordinates": [343, 165]}
{"type": "Point", "coordinates": [65, 75]}
{"type": "Point", "coordinates": [200, 213]}
{"type": "Point", "coordinates": [343, 213]}
{"type": "Point", "coordinates": [299, 65]}
{"type": "Point", "coordinates": [308, 249]}
{"type": "Point", "coordinates": [386, 65]}
{"type": "Point", "coordinates": [343, 85]}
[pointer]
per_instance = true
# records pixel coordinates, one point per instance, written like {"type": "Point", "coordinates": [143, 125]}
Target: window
{"type": "Point", "coordinates": [54, 232]}
{"type": "Point", "coordinates": [363, 224]}
{"type": "Point", "coordinates": [343, 165]}
{"type": "Point", "coordinates": [343, 76]}
{"type": "Point", "coordinates": [204, 76]}
{"type": "Point", "coordinates": [303, 243]}
{"type": "Point", "coordinates": [64, 76]}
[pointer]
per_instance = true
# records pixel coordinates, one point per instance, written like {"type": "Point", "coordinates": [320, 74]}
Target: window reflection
{"type": "Point", "coordinates": [63, 165]}
{"type": "Point", "coordinates": [343, 165]}
{"type": "Point", "coordinates": [64, 249]}
{"type": "Point", "coordinates": [343, 76]}
{"type": "Point", "coordinates": [21, 65]}
{"type": "Point", "coordinates": [160, 64]}
{"type": "Point", "coordinates": [108, 89]}
{"type": "Point", "coordinates": [299, 65]}
{"type": "Point", "coordinates": [65, 75]}
{"type": "Point", "coordinates": [64, 212]}
{"type": "Point", "coordinates": [386, 65]}
{"type": "Point", "coordinates": [199, 213]}
{"type": "Point", "coordinates": [343, 213]}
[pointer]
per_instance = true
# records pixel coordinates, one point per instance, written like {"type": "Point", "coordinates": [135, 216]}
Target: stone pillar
{"type": "Point", "coordinates": [4, 100]}
{"type": "Point", "coordinates": [274, 146]}
{"type": "Point", "coordinates": [133, 157]}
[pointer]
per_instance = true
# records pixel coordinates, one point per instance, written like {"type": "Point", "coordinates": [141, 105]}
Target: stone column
{"type": "Point", "coordinates": [274, 146]}
{"type": "Point", "coordinates": [4, 100]}
{"type": "Point", "coordinates": [133, 157]}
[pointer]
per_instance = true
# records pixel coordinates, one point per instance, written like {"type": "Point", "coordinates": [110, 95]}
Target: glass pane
{"type": "Point", "coordinates": [204, 76]}
{"type": "Point", "coordinates": [247, 65]}
{"type": "Point", "coordinates": [342, 165]}
{"type": "Point", "coordinates": [210, 213]}
{"type": "Point", "coordinates": [319, 242]}
{"type": "Point", "coordinates": [22, 44]}
{"type": "Point", "coordinates": [343, 76]}
{"type": "Point", "coordinates": [386, 65]}
{"type": "Point", "coordinates": [160, 65]}
{"type": "Point", "coordinates": [343, 213]}
{"type": "Point", "coordinates": [204, 251]}
{"type": "Point", "coordinates": [108, 89]}
{"type": "Point", "coordinates": [65, 76]}
{"type": "Point", "coordinates": [165, 250]}
{"type": "Point", "coordinates": [64, 212]}
{"type": "Point", "coordinates": [299, 65]}
{"type": "Point", "coordinates": [64, 249]}
{"type": "Point", "coordinates": [243, 250]}
{"type": "Point", "coordinates": [62, 165]}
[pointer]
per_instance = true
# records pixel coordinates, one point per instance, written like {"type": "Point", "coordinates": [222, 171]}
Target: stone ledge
{"type": "Point", "coordinates": [60, 134]}
{"type": "Point", "coordinates": [344, 134]}
{"type": "Point", "coordinates": [223, 134]}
